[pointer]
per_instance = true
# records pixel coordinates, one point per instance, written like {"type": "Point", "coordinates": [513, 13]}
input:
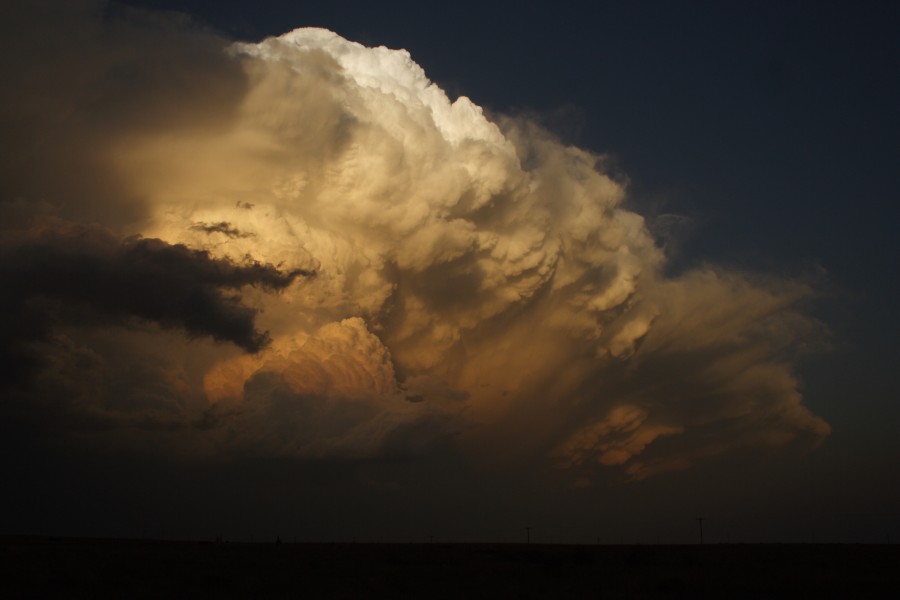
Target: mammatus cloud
{"type": "Point", "coordinates": [475, 280]}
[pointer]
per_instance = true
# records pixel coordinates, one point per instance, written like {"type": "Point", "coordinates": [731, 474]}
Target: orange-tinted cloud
{"type": "Point", "coordinates": [474, 277]}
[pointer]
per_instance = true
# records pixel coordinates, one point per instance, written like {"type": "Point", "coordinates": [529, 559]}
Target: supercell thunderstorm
{"type": "Point", "coordinates": [445, 279]}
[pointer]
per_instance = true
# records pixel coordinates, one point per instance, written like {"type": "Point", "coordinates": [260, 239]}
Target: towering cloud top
{"type": "Point", "coordinates": [477, 283]}
{"type": "Point", "coordinates": [390, 72]}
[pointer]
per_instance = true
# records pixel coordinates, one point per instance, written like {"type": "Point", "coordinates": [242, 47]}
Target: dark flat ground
{"type": "Point", "coordinates": [34, 567]}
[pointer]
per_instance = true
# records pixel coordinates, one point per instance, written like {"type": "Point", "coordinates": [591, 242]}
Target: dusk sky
{"type": "Point", "coordinates": [385, 271]}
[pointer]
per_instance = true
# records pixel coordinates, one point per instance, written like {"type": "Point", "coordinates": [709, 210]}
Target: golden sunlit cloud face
{"type": "Point", "coordinates": [474, 280]}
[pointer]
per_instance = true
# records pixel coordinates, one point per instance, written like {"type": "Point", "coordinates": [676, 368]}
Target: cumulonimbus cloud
{"type": "Point", "coordinates": [476, 279]}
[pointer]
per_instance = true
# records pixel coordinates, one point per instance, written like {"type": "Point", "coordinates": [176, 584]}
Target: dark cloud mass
{"type": "Point", "coordinates": [223, 227]}
{"type": "Point", "coordinates": [57, 274]}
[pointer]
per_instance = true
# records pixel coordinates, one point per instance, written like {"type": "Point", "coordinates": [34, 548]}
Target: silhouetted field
{"type": "Point", "coordinates": [48, 567]}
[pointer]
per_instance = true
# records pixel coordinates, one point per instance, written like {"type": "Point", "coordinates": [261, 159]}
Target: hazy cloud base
{"type": "Point", "coordinates": [479, 285]}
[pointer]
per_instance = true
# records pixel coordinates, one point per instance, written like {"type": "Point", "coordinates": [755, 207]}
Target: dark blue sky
{"type": "Point", "coordinates": [764, 137]}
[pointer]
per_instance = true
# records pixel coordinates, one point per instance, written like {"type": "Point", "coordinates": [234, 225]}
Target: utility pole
{"type": "Point", "coordinates": [700, 521]}
{"type": "Point", "coordinates": [528, 535]}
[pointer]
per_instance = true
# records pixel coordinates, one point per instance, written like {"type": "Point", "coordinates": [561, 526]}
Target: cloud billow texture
{"type": "Point", "coordinates": [476, 281]}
